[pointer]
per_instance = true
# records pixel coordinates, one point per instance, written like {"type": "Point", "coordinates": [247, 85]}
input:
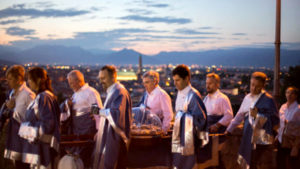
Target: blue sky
{"type": "Point", "coordinates": [148, 26]}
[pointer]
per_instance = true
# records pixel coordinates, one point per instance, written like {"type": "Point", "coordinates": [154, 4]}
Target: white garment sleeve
{"type": "Point", "coordinates": [226, 108]}
{"type": "Point", "coordinates": [22, 103]}
{"type": "Point", "coordinates": [296, 116]}
{"type": "Point", "coordinates": [166, 106]}
{"type": "Point", "coordinates": [238, 119]}
{"type": "Point", "coordinates": [95, 99]}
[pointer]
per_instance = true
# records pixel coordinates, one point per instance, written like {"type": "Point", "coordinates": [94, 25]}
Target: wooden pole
{"type": "Point", "coordinates": [277, 51]}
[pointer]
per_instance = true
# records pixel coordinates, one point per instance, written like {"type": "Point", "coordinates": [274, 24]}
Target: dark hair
{"type": "Point", "coordinates": [182, 71]}
{"type": "Point", "coordinates": [260, 76]}
{"type": "Point", "coordinates": [294, 89]}
{"type": "Point", "coordinates": [40, 73]}
{"type": "Point", "coordinates": [112, 71]}
{"type": "Point", "coordinates": [16, 71]}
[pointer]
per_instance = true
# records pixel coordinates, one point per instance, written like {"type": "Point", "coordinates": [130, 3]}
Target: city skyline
{"type": "Point", "coordinates": [147, 26]}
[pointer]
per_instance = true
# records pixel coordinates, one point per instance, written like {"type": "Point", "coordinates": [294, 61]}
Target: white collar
{"type": "Point", "coordinates": [111, 87]}
{"type": "Point", "coordinates": [215, 94]}
{"type": "Point", "coordinates": [155, 90]}
{"type": "Point", "coordinates": [186, 90]}
{"type": "Point", "coordinates": [22, 86]}
{"type": "Point", "coordinates": [257, 95]}
{"type": "Point", "coordinates": [83, 87]}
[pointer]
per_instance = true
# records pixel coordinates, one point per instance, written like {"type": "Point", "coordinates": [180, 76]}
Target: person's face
{"type": "Point", "coordinates": [290, 95]}
{"type": "Point", "coordinates": [33, 85]}
{"type": "Point", "coordinates": [255, 86]}
{"type": "Point", "coordinates": [211, 85]}
{"type": "Point", "coordinates": [74, 85]}
{"type": "Point", "coordinates": [13, 82]}
{"type": "Point", "coordinates": [180, 83]}
{"type": "Point", "coordinates": [149, 84]}
{"type": "Point", "coordinates": [105, 79]}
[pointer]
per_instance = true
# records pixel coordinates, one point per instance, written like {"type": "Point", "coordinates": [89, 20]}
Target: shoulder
{"type": "Point", "coordinates": [45, 96]}
{"type": "Point", "coordinates": [162, 92]}
{"type": "Point", "coordinates": [91, 90]}
{"type": "Point", "coordinates": [268, 96]}
{"type": "Point", "coordinates": [283, 107]}
{"type": "Point", "coordinates": [27, 92]}
{"type": "Point", "coordinates": [222, 96]}
{"type": "Point", "coordinates": [120, 90]}
{"type": "Point", "coordinates": [196, 93]}
{"type": "Point", "coordinates": [196, 96]}
{"type": "Point", "coordinates": [247, 97]}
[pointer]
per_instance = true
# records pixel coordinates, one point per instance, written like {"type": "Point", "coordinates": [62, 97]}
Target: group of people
{"type": "Point", "coordinates": [35, 118]}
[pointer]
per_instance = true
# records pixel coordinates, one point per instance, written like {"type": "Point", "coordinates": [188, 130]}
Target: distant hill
{"type": "Point", "coordinates": [50, 54]}
{"type": "Point", "coordinates": [257, 57]}
{"type": "Point", "coordinates": [129, 56]}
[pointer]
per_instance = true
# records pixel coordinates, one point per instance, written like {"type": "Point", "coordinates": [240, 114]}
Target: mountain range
{"type": "Point", "coordinates": [51, 54]}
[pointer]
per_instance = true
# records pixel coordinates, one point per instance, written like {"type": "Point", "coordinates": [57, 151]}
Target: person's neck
{"type": "Point", "coordinates": [212, 93]}
{"type": "Point", "coordinates": [289, 103]}
{"type": "Point", "coordinates": [185, 87]}
{"type": "Point", "coordinates": [111, 85]}
{"type": "Point", "coordinates": [17, 87]}
{"type": "Point", "coordinates": [255, 94]}
{"type": "Point", "coordinates": [152, 89]}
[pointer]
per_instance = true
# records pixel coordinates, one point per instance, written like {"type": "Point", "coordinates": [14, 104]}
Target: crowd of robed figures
{"type": "Point", "coordinates": [36, 119]}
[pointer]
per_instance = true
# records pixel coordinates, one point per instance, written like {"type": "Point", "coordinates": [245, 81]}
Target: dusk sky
{"type": "Point", "coordinates": [148, 26]}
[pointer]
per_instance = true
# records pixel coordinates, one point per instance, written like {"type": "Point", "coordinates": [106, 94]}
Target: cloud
{"type": "Point", "coordinates": [44, 4]}
{"type": "Point", "coordinates": [138, 40]}
{"type": "Point", "coordinates": [140, 11]}
{"type": "Point", "coordinates": [153, 4]}
{"type": "Point", "coordinates": [177, 37]}
{"type": "Point", "coordinates": [158, 5]}
{"type": "Point", "coordinates": [31, 38]}
{"type": "Point", "coordinates": [104, 40]}
{"type": "Point", "coordinates": [168, 20]}
{"type": "Point", "coordinates": [239, 34]}
{"type": "Point", "coordinates": [17, 31]}
{"type": "Point", "coordinates": [11, 21]}
{"type": "Point", "coordinates": [20, 10]}
{"type": "Point", "coordinates": [101, 40]}
{"type": "Point", "coordinates": [205, 27]}
{"type": "Point", "coordinates": [193, 32]}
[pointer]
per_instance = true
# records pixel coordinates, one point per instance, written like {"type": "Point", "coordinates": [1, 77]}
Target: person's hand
{"type": "Point", "coordinates": [10, 103]}
{"type": "Point", "coordinates": [70, 102]}
{"type": "Point", "coordinates": [95, 109]}
{"type": "Point", "coordinates": [213, 129]}
{"type": "Point", "coordinates": [227, 133]}
{"type": "Point", "coordinates": [253, 112]}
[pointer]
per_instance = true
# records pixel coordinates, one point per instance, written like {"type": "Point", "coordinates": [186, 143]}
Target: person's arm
{"type": "Point", "coordinates": [238, 119]}
{"type": "Point", "coordinates": [22, 103]}
{"type": "Point", "coordinates": [228, 114]}
{"type": "Point", "coordinates": [296, 116]}
{"type": "Point", "coordinates": [166, 106]}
